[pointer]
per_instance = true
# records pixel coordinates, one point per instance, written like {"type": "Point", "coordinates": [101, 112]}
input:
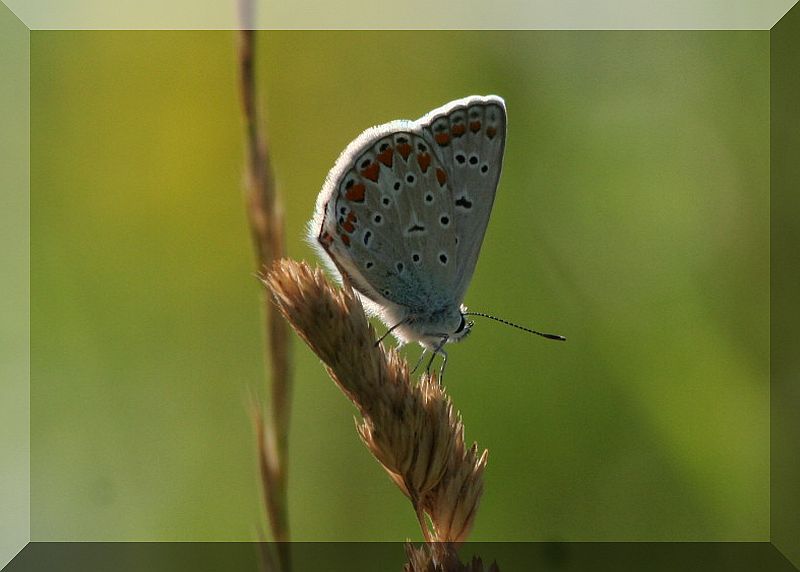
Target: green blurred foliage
{"type": "Point", "coordinates": [632, 216]}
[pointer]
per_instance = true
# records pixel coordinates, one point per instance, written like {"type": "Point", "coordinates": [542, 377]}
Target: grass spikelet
{"type": "Point", "coordinates": [411, 429]}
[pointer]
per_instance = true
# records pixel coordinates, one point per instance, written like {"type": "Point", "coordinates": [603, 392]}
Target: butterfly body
{"type": "Point", "coordinates": [404, 210]}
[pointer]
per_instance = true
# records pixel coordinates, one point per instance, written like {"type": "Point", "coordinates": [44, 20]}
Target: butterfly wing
{"type": "Point", "coordinates": [469, 136]}
{"type": "Point", "coordinates": [382, 217]}
{"type": "Point", "coordinates": [403, 211]}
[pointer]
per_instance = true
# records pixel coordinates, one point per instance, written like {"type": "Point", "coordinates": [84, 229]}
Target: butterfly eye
{"type": "Point", "coordinates": [461, 326]}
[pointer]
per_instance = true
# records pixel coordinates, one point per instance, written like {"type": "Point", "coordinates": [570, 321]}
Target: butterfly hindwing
{"type": "Point", "coordinates": [389, 219]}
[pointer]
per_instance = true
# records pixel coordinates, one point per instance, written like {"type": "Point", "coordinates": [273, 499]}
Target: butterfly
{"type": "Point", "coordinates": [403, 212]}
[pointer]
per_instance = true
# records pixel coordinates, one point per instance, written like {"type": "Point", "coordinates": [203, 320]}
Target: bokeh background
{"type": "Point", "coordinates": [632, 216]}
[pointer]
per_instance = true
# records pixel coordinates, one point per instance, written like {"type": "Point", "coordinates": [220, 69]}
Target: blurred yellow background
{"type": "Point", "coordinates": [632, 217]}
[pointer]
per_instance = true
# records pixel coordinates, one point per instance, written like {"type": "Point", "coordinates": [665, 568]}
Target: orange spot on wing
{"type": "Point", "coordinates": [491, 132]}
{"type": "Point", "coordinates": [386, 156]}
{"type": "Point", "coordinates": [458, 130]}
{"type": "Point", "coordinates": [351, 216]}
{"type": "Point", "coordinates": [325, 238]}
{"type": "Point", "coordinates": [348, 227]}
{"type": "Point", "coordinates": [345, 239]}
{"type": "Point", "coordinates": [355, 193]}
{"type": "Point", "coordinates": [442, 139]}
{"type": "Point", "coordinates": [424, 161]}
{"type": "Point", "coordinates": [405, 150]}
{"type": "Point", "coordinates": [372, 172]}
{"type": "Point", "coordinates": [475, 126]}
{"type": "Point", "coordinates": [441, 176]}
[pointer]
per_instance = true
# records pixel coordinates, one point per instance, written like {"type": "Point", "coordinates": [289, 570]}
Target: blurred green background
{"type": "Point", "coordinates": [632, 216]}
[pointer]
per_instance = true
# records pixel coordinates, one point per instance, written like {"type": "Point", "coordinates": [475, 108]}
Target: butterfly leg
{"type": "Point", "coordinates": [444, 363]}
{"type": "Point", "coordinates": [419, 361]}
{"type": "Point", "coordinates": [438, 350]}
{"type": "Point", "coordinates": [389, 331]}
{"type": "Point", "coordinates": [430, 361]}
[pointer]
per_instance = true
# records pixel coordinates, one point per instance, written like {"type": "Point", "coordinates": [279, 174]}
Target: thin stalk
{"type": "Point", "coordinates": [419, 511]}
{"type": "Point", "coordinates": [265, 216]}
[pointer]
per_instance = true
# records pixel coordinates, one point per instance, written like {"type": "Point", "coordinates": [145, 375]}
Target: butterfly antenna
{"type": "Point", "coordinates": [513, 325]}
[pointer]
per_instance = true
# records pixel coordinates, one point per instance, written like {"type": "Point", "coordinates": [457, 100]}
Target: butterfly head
{"type": "Point", "coordinates": [464, 327]}
{"type": "Point", "coordinates": [432, 330]}
{"type": "Point", "coordinates": [462, 331]}
{"type": "Point", "coordinates": [454, 324]}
